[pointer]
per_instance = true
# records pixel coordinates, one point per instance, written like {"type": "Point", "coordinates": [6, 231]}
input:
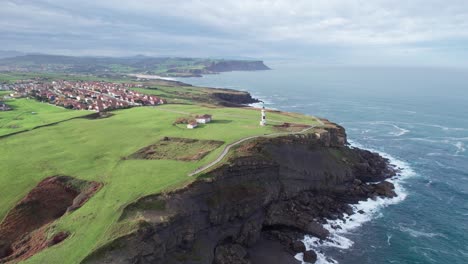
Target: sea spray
{"type": "Point", "coordinates": [364, 211]}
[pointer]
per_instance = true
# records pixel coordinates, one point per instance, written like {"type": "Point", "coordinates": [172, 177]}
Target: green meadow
{"type": "Point", "coordinates": [97, 150]}
{"type": "Point", "coordinates": [27, 114]}
{"type": "Point", "coordinates": [177, 94]}
{"type": "Point", "coordinates": [11, 77]}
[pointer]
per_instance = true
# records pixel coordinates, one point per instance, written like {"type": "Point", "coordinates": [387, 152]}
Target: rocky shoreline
{"type": "Point", "coordinates": [256, 207]}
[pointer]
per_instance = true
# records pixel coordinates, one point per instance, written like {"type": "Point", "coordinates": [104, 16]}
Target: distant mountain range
{"type": "Point", "coordinates": [164, 66]}
{"type": "Point", "coordinates": [10, 53]}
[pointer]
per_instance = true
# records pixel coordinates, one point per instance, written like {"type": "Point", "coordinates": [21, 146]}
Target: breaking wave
{"type": "Point", "coordinates": [369, 209]}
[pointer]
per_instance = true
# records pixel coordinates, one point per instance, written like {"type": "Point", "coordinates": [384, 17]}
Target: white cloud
{"type": "Point", "coordinates": [234, 26]}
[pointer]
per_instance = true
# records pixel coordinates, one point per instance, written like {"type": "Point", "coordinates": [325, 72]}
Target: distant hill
{"type": "Point", "coordinates": [9, 53]}
{"type": "Point", "coordinates": [164, 66]}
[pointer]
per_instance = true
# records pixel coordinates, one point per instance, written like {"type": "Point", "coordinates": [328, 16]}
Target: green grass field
{"type": "Point", "coordinates": [11, 77]}
{"type": "Point", "coordinates": [178, 149]}
{"type": "Point", "coordinates": [28, 114]}
{"type": "Point", "coordinates": [179, 94]}
{"type": "Point", "coordinates": [93, 150]}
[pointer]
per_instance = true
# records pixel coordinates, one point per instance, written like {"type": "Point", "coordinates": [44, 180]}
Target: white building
{"type": "Point", "coordinates": [192, 125]}
{"type": "Point", "coordinates": [263, 120]}
{"type": "Point", "coordinates": [203, 119]}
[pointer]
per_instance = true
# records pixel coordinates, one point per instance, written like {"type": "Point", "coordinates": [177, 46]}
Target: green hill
{"type": "Point", "coordinates": [100, 149]}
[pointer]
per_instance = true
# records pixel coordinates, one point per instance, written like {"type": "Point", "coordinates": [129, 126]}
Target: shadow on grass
{"type": "Point", "coordinates": [216, 121]}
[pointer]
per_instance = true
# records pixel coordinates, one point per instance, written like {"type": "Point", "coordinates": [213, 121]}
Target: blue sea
{"type": "Point", "coordinates": [417, 117]}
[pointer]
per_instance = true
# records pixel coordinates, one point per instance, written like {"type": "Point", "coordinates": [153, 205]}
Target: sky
{"type": "Point", "coordinates": [370, 32]}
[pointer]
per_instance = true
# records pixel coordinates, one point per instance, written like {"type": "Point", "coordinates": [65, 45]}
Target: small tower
{"type": "Point", "coordinates": [263, 120]}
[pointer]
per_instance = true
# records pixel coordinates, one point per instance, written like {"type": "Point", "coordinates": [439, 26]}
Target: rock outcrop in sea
{"type": "Point", "coordinates": [257, 206]}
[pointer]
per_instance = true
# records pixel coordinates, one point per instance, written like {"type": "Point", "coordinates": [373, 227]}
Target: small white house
{"type": "Point", "coordinates": [192, 125]}
{"type": "Point", "coordinates": [203, 119]}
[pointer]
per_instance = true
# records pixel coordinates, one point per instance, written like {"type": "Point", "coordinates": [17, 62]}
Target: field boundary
{"type": "Point", "coordinates": [45, 125]}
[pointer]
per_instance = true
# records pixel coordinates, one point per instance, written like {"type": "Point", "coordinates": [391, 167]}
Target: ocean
{"type": "Point", "coordinates": [418, 118]}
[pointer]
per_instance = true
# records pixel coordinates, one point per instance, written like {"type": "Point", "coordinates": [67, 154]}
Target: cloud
{"type": "Point", "coordinates": [231, 27]}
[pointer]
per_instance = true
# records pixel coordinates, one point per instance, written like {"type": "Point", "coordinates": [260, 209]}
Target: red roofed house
{"type": "Point", "coordinates": [203, 119]}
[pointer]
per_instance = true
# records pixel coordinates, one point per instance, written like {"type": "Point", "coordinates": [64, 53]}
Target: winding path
{"type": "Point", "coordinates": [228, 147]}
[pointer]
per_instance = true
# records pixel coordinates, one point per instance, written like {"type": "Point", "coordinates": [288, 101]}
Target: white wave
{"type": "Point", "coordinates": [428, 140]}
{"type": "Point", "coordinates": [400, 132]}
{"type": "Point", "coordinates": [460, 147]}
{"type": "Point", "coordinates": [386, 122]}
{"type": "Point", "coordinates": [321, 258]}
{"type": "Point", "coordinates": [389, 237]}
{"type": "Point", "coordinates": [417, 233]}
{"type": "Point", "coordinates": [370, 207]}
{"type": "Point", "coordinates": [457, 138]}
{"type": "Point", "coordinates": [265, 103]}
{"type": "Point", "coordinates": [441, 165]}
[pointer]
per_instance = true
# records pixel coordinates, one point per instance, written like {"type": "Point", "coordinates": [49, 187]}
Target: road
{"type": "Point", "coordinates": [228, 147]}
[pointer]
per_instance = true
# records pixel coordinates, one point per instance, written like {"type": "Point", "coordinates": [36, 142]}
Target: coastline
{"type": "Point", "coordinates": [363, 212]}
{"type": "Point", "coordinates": [430, 148]}
{"type": "Point", "coordinates": [276, 217]}
{"type": "Point", "coordinates": [320, 181]}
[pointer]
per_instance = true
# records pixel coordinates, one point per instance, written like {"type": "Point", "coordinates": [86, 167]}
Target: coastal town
{"type": "Point", "coordinates": [83, 95]}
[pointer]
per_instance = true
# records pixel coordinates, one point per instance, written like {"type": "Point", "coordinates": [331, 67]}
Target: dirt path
{"type": "Point", "coordinates": [228, 147]}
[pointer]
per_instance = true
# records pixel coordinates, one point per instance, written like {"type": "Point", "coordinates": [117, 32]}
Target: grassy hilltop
{"type": "Point", "coordinates": [28, 114]}
{"type": "Point", "coordinates": [101, 149]}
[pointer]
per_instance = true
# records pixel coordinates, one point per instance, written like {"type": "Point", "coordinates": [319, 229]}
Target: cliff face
{"type": "Point", "coordinates": [217, 67]}
{"type": "Point", "coordinates": [254, 208]}
{"type": "Point", "coordinates": [234, 98]}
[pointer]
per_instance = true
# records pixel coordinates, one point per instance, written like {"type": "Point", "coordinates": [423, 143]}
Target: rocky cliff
{"type": "Point", "coordinates": [256, 207]}
{"type": "Point", "coordinates": [227, 97]}
{"type": "Point", "coordinates": [217, 67]}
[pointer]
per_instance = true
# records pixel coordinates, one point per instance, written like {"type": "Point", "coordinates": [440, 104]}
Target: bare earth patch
{"type": "Point", "coordinates": [290, 127]}
{"type": "Point", "coordinates": [24, 230]}
{"type": "Point", "coordinates": [183, 149]}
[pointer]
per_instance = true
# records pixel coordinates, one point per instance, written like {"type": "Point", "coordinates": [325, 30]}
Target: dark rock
{"type": "Point", "coordinates": [361, 211]}
{"type": "Point", "coordinates": [298, 246]}
{"type": "Point", "coordinates": [230, 254]}
{"type": "Point", "coordinates": [357, 182]}
{"type": "Point", "coordinates": [348, 210]}
{"type": "Point", "coordinates": [386, 189]}
{"type": "Point", "coordinates": [336, 226]}
{"type": "Point", "coordinates": [310, 256]}
{"type": "Point", "coordinates": [234, 99]}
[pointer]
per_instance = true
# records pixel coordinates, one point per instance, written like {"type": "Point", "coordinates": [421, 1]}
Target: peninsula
{"type": "Point", "coordinates": [131, 183]}
{"type": "Point", "coordinates": [112, 66]}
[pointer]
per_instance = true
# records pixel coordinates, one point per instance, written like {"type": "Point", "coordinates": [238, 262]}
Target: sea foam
{"type": "Point", "coordinates": [370, 207]}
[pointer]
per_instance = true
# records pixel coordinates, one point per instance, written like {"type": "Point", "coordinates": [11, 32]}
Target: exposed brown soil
{"type": "Point", "coordinates": [290, 127]}
{"type": "Point", "coordinates": [23, 231]}
{"type": "Point", "coordinates": [183, 149]}
{"type": "Point", "coordinates": [32, 243]}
